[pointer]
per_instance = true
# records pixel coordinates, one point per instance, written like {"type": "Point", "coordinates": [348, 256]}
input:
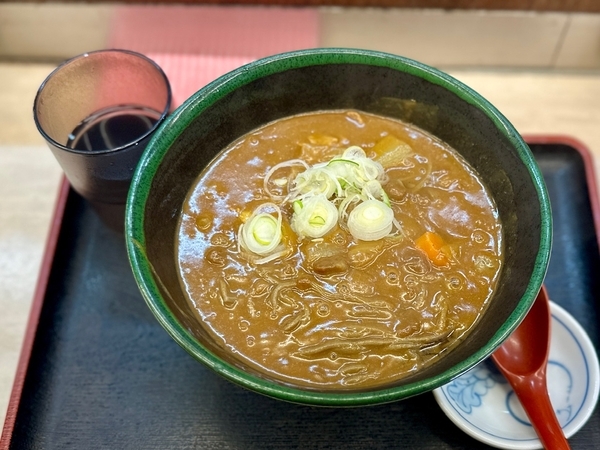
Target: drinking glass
{"type": "Point", "coordinates": [97, 111]}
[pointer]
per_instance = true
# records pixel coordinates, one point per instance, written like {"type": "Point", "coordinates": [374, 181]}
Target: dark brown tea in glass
{"type": "Point", "coordinates": [97, 112]}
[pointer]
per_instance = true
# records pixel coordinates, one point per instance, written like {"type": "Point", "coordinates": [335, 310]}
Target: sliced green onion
{"type": "Point", "coordinates": [352, 168]}
{"type": "Point", "coordinates": [371, 220]}
{"type": "Point", "coordinates": [354, 152]}
{"type": "Point", "coordinates": [275, 168]}
{"type": "Point", "coordinates": [317, 221]}
{"type": "Point", "coordinates": [315, 217]}
{"type": "Point", "coordinates": [350, 198]}
{"type": "Point", "coordinates": [341, 161]}
{"type": "Point", "coordinates": [372, 190]}
{"type": "Point", "coordinates": [316, 180]}
{"type": "Point", "coordinates": [297, 205]}
{"type": "Point", "coordinates": [264, 229]}
{"type": "Point", "coordinates": [386, 199]}
{"type": "Point", "coordinates": [261, 233]}
{"type": "Point", "coordinates": [323, 194]}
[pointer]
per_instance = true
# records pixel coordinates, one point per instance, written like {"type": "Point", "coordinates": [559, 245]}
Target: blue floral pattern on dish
{"type": "Point", "coordinates": [482, 403]}
{"type": "Point", "coordinates": [468, 390]}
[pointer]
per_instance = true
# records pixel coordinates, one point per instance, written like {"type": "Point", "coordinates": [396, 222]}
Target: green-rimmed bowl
{"type": "Point", "coordinates": [321, 79]}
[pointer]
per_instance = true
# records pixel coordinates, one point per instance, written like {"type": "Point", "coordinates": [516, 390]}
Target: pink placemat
{"type": "Point", "coordinates": [196, 44]}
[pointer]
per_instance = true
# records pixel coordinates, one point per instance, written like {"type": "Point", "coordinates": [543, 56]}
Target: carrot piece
{"type": "Point", "coordinates": [432, 245]}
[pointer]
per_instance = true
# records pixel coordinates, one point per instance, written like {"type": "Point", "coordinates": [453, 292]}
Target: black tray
{"type": "Point", "coordinates": [99, 372]}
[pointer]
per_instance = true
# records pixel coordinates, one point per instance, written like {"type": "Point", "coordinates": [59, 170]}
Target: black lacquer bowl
{"type": "Point", "coordinates": [311, 80]}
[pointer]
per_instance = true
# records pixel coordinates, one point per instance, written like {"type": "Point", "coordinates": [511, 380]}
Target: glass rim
{"type": "Point", "coordinates": [133, 143]}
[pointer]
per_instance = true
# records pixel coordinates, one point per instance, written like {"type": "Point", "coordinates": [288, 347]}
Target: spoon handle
{"type": "Point", "coordinates": [533, 395]}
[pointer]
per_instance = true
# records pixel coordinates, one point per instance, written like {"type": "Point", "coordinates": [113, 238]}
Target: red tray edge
{"type": "Point", "coordinates": [52, 240]}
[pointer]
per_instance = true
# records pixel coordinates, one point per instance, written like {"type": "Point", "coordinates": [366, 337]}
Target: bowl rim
{"type": "Point", "coordinates": [209, 94]}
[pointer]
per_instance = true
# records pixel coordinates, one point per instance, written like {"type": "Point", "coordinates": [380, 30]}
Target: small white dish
{"type": "Point", "coordinates": [482, 403]}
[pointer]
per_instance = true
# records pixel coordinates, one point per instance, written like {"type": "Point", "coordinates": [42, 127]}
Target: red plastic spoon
{"type": "Point", "coordinates": [522, 359]}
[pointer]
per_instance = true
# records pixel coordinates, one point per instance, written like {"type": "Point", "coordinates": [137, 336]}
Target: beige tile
{"type": "Point", "coordinates": [448, 38]}
{"type": "Point", "coordinates": [52, 31]}
{"type": "Point", "coordinates": [581, 45]}
{"type": "Point", "coordinates": [19, 83]}
{"type": "Point", "coordinates": [544, 102]}
{"type": "Point", "coordinates": [29, 179]}
{"type": "Point", "coordinates": [55, 31]}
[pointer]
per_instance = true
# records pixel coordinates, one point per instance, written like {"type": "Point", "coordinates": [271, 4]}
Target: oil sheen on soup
{"type": "Point", "coordinates": [339, 249]}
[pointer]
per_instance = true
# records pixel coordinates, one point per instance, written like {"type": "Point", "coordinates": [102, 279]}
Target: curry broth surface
{"type": "Point", "coordinates": [385, 310]}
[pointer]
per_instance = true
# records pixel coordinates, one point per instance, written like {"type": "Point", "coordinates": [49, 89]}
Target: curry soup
{"type": "Point", "coordinates": [339, 249]}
